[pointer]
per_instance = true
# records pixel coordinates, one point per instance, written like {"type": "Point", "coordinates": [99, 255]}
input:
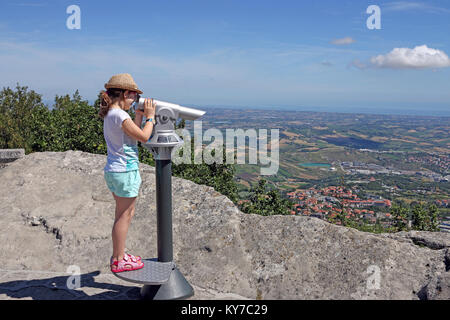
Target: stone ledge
{"type": "Point", "coordinates": [222, 252]}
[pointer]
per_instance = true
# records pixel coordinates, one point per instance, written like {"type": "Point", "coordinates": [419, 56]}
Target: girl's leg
{"type": "Point", "coordinates": [124, 212]}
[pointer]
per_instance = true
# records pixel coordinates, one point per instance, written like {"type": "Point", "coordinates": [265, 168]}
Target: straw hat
{"type": "Point", "coordinates": [123, 81]}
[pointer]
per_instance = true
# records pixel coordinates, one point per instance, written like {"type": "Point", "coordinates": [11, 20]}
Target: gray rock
{"type": "Point", "coordinates": [9, 155]}
{"type": "Point", "coordinates": [221, 251]}
{"type": "Point", "coordinates": [432, 240]}
{"type": "Point", "coordinates": [447, 260]}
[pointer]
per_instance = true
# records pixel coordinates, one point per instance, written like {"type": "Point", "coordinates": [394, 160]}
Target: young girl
{"type": "Point", "coordinates": [121, 171]}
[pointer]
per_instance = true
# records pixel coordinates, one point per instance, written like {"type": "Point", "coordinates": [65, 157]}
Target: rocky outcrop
{"type": "Point", "coordinates": [10, 155]}
{"type": "Point", "coordinates": [56, 211]}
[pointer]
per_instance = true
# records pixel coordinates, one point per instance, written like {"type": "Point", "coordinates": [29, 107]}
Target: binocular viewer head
{"type": "Point", "coordinates": [164, 138]}
{"type": "Point", "coordinates": [180, 111]}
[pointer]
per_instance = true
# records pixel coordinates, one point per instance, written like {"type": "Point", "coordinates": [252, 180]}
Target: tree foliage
{"type": "Point", "coordinates": [399, 215]}
{"type": "Point", "coordinates": [425, 218]}
{"type": "Point", "coordinates": [220, 176]}
{"type": "Point", "coordinates": [17, 110]}
{"type": "Point", "coordinates": [422, 218]}
{"type": "Point", "coordinates": [265, 201]}
{"type": "Point", "coordinates": [27, 123]}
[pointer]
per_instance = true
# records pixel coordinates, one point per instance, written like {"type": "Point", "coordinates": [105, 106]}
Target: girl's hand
{"type": "Point", "coordinates": [149, 108]}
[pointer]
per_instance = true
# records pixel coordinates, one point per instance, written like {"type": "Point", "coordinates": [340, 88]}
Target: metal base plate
{"type": "Point", "coordinates": [153, 272]}
{"type": "Point", "coordinates": [176, 288]}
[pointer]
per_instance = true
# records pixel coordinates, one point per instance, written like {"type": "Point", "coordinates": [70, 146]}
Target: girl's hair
{"type": "Point", "coordinates": [107, 98]}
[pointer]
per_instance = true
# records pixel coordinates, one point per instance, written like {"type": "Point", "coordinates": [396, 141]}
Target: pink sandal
{"type": "Point", "coordinates": [138, 258]}
{"type": "Point", "coordinates": [128, 263]}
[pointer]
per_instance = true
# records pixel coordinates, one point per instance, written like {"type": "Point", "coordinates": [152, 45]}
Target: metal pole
{"type": "Point", "coordinates": [164, 209]}
{"type": "Point", "coordinates": [177, 287]}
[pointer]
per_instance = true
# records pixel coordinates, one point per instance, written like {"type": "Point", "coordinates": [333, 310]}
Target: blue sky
{"type": "Point", "coordinates": [311, 55]}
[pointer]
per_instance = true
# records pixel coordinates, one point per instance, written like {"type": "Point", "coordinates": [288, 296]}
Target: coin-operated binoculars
{"type": "Point", "coordinates": [164, 138]}
{"type": "Point", "coordinates": [161, 278]}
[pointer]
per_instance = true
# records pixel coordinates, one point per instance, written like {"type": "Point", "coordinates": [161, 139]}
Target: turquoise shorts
{"type": "Point", "coordinates": [123, 184]}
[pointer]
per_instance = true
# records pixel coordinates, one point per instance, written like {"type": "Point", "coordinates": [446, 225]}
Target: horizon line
{"type": "Point", "coordinates": [315, 109]}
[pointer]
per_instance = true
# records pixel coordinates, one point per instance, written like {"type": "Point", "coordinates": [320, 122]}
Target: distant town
{"type": "Point", "coordinates": [370, 169]}
{"type": "Point", "coordinates": [329, 202]}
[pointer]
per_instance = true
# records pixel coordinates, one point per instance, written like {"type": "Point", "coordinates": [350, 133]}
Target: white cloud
{"type": "Point", "coordinates": [343, 41]}
{"type": "Point", "coordinates": [420, 57]}
{"type": "Point", "coordinates": [419, 6]}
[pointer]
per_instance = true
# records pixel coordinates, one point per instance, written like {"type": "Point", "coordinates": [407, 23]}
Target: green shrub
{"type": "Point", "coordinates": [266, 202]}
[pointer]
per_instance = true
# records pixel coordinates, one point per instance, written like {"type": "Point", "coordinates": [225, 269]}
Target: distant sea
{"type": "Point", "coordinates": [436, 112]}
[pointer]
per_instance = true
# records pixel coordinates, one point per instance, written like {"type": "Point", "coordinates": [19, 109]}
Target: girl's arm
{"type": "Point", "coordinates": [133, 128]}
{"type": "Point", "coordinates": [135, 132]}
{"type": "Point", "coordinates": [138, 119]}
